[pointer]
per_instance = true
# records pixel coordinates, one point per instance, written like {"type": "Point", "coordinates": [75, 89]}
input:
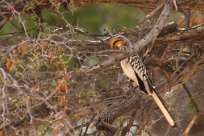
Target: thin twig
{"type": "Point", "coordinates": [151, 36]}
{"type": "Point", "coordinates": [193, 121]}
{"type": "Point", "coordinates": [191, 99]}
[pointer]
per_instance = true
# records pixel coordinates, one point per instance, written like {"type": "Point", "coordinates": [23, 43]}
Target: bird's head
{"type": "Point", "coordinates": [119, 42]}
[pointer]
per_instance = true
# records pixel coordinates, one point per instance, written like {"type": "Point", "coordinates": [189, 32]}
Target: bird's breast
{"type": "Point", "coordinates": [128, 70]}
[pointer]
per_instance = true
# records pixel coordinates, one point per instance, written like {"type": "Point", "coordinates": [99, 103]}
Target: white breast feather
{"type": "Point", "coordinates": [128, 70]}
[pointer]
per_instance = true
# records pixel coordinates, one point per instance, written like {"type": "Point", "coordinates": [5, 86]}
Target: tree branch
{"type": "Point", "coordinates": [150, 37]}
{"type": "Point", "coordinates": [193, 121]}
{"type": "Point", "coordinates": [148, 5]}
{"type": "Point", "coordinates": [183, 35]}
{"type": "Point", "coordinates": [116, 111]}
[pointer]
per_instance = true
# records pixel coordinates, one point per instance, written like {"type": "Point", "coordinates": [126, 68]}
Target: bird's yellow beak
{"type": "Point", "coordinates": [116, 43]}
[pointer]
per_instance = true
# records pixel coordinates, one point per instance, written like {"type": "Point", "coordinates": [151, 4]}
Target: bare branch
{"type": "Point", "coordinates": [148, 5]}
{"type": "Point", "coordinates": [150, 37]}
{"type": "Point", "coordinates": [193, 121]}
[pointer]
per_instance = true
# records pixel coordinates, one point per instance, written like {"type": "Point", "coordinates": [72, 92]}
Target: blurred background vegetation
{"type": "Point", "coordinates": [93, 19]}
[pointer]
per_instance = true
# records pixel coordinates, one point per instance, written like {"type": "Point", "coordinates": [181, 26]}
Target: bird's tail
{"type": "Point", "coordinates": [163, 108]}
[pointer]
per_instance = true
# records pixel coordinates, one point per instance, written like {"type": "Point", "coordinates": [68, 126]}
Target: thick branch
{"type": "Point", "coordinates": [150, 37]}
{"type": "Point", "coordinates": [193, 121]}
{"type": "Point", "coordinates": [184, 35]}
{"type": "Point", "coordinates": [114, 112]}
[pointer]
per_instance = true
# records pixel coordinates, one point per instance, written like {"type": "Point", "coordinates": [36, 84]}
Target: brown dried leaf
{"type": "Point", "coordinates": [56, 131]}
{"type": "Point", "coordinates": [63, 101]}
{"type": "Point", "coordinates": [10, 63]}
{"type": "Point", "coordinates": [62, 87]}
{"type": "Point", "coordinates": [23, 48]}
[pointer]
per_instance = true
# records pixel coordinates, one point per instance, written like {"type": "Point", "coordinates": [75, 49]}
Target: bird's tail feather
{"type": "Point", "coordinates": [163, 108]}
